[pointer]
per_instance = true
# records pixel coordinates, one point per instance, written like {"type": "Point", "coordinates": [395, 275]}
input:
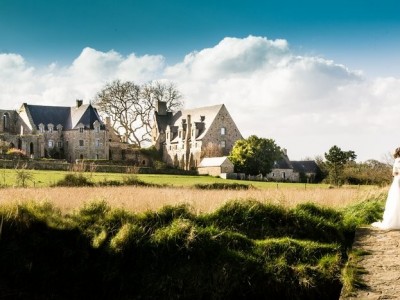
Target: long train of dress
{"type": "Point", "coordinates": [391, 216]}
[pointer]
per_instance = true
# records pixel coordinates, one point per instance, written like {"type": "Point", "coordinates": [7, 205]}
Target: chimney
{"type": "Point", "coordinates": [78, 103]}
{"type": "Point", "coordinates": [161, 108]}
{"type": "Point", "coordinates": [108, 122]}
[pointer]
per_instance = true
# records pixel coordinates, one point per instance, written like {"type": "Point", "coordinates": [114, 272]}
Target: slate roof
{"type": "Point", "coordinates": [281, 164]}
{"type": "Point", "coordinates": [205, 114]}
{"type": "Point", "coordinates": [68, 117]}
{"type": "Point", "coordinates": [308, 166]}
{"type": "Point", "coordinates": [213, 161]}
{"type": "Point", "coordinates": [48, 114]}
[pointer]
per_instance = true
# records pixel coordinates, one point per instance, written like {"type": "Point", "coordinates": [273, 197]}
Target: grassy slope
{"type": "Point", "coordinates": [244, 249]}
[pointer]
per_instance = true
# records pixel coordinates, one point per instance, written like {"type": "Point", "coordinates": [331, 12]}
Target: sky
{"type": "Point", "coordinates": [308, 74]}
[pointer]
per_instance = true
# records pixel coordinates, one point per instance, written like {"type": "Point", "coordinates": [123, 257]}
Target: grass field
{"type": "Point", "coordinates": [179, 190]}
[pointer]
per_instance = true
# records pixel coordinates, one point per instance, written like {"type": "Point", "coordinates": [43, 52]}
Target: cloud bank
{"type": "Point", "coordinates": [306, 103]}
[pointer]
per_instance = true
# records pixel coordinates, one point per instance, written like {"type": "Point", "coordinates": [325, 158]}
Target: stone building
{"type": "Point", "coordinates": [215, 166]}
{"type": "Point", "coordinates": [182, 136]}
{"type": "Point", "coordinates": [55, 131]}
{"type": "Point", "coordinates": [293, 171]}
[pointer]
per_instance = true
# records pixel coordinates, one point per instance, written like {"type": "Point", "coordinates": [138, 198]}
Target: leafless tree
{"type": "Point", "coordinates": [131, 107]}
{"type": "Point", "coordinates": [211, 150]}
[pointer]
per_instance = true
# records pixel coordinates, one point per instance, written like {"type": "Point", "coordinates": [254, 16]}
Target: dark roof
{"type": "Point", "coordinates": [205, 114]}
{"type": "Point", "coordinates": [49, 114]}
{"type": "Point", "coordinates": [85, 114]}
{"type": "Point", "coordinates": [307, 166]}
{"type": "Point", "coordinates": [68, 117]}
{"type": "Point", "coordinates": [281, 164]}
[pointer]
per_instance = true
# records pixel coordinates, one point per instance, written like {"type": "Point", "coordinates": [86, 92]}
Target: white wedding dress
{"type": "Point", "coordinates": [391, 215]}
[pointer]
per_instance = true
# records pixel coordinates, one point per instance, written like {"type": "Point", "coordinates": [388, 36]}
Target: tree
{"type": "Point", "coordinates": [212, 150]}
{"type": "Point", "coordinates": [130, 107]}
{"type": "Point", "coordinates": [255, 155]}
{"type": "Point", "coordinates": [336, 159]}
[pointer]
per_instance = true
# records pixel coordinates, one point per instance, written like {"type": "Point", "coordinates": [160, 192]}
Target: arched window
{"type": "Point", "coordinates": [6, 122]}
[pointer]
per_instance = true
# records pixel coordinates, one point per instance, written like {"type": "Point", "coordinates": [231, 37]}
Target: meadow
{"type": "Point", "coordinates": [172, 190]}
{"type": "Point", "coordinates": [171, 240]}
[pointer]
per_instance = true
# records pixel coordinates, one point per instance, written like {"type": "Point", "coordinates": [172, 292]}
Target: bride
{"type": "Point", "coordinates": [391, 216]}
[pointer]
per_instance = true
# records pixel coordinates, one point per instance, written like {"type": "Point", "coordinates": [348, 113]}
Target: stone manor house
{"type": "Point", "coordinates": [59, 132]}
{"type": "Point", "coordinates": [183, 135]}
{"type": "Point", "coordinates": [78, 132]}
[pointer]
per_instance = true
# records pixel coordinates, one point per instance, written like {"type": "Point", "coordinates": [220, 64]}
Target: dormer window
{"type": "Point", "coordinates": [81, 129]}
{"type": "Point", "coordinates": [223, 130]}
{"type": "Point", "coordinates": [59, 128]}
{"type": "Point", "coordinates": [96, 126]}
{"type": "Point", "coordinates": [41, 128]}
{"type": "Point", "coordinates": [50, 127]}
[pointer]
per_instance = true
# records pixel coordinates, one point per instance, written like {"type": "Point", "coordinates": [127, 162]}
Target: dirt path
{"type": "Point", "coordinates": [382, 265]}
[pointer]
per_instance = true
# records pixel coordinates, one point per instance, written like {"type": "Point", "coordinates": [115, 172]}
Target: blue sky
{"type": "Point", "coordinates": [309, 74]}
{"type": "Point", "coordinates": [356, 32]}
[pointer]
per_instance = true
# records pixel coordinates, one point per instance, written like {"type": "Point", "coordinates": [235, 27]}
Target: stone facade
{"type": "Point", "coordinates": [182, 136]}
{"type": "Point", "coordinates": [293, 171]}
{"type": "Point", "coordinates": [58, 132]}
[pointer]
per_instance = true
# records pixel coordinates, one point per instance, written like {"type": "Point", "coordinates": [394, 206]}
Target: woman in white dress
{"type": "Point", "coordinates": [391, 216]}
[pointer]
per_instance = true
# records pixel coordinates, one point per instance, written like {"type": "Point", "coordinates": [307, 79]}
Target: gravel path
{"type": "Point", "coordinates": [382, 265]}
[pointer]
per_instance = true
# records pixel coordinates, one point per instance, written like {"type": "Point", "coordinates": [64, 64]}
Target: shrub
{"type": "Point", "coordinates": [74, 180]}
{"type": "Point", "coordinates": [223, 186]}
{"type": "Point", "coordinates": [16, 153]}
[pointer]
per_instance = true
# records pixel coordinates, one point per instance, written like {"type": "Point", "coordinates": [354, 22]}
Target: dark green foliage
{"type": "Point", "coordinates": [254, 155]}
{"type": "Point", "coordinates": [74, 180]}
{"type": "Point", "coordinates": [244, 250]}
{"type": "Point", "coordinates": [223, 186]}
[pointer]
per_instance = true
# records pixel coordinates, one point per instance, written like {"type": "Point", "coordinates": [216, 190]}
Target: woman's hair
{"type": "Point", "coordinates": [396, 153]}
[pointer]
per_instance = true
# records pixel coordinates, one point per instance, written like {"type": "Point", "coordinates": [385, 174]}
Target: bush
{"type": "Point", "coordinates": [75, 180]}
{"type": "Point", "coordinates": [223, 186]}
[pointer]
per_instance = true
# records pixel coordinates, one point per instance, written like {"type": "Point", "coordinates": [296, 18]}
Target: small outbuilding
{"type": "Point", "coordinates": [215, 166]}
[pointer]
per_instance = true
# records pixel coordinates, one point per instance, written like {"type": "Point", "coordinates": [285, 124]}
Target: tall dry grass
{"type": "Point", "coordinates": [139, 199]}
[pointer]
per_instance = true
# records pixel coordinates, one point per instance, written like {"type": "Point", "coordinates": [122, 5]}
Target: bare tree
{"type": "Point", "coordinates": [131, 107]}
{"type": "Point", "coordinates": [211, 150]}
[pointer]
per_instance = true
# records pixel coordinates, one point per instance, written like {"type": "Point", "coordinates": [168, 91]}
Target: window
{"type": "Point", "coordinates": [97, 143]}
{"type": "Point", "coordinates": [167, 135]}
{"type": "Point", "coordinates": [81, 143]}
{"type": "Point", "coordinates": [50, 128]}
{"type": "Point", "coordinates": [41, 128]}
{"type": "Point", "coordinates": [223, 130]}
{"type": "Point", "coordinates": [223, 144]}
{"type": "Point", "coordinates": [59, 144]}
{"type": "Point", "coordinates": [51, 143]}
{"type": "Point", "coordinates": [97, 129]}
{"type": "Point", "coordinates": [81, 129]}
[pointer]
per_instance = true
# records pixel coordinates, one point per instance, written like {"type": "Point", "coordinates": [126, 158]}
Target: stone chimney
{"type": "Point", "coordinates": [79, 103]}
{"type": "Point", "coordinates": [108, 121]}
{"type": "Point", "coordinates": [161, 108]}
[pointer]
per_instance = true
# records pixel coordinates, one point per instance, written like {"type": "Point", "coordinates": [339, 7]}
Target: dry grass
{"type": "Point", "coordinates": [138, 199]}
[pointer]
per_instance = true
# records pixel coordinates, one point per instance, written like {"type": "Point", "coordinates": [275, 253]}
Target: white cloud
{"type": "Point", "coordinates": [61, 85]}
{"type": "Point", "coordinates": [306, 103]}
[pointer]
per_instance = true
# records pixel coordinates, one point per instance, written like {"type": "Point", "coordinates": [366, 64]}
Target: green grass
{"type": "Point", "coordinates": [243, 250]}
{"type": "Point", "coordinates": [45, 178]}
